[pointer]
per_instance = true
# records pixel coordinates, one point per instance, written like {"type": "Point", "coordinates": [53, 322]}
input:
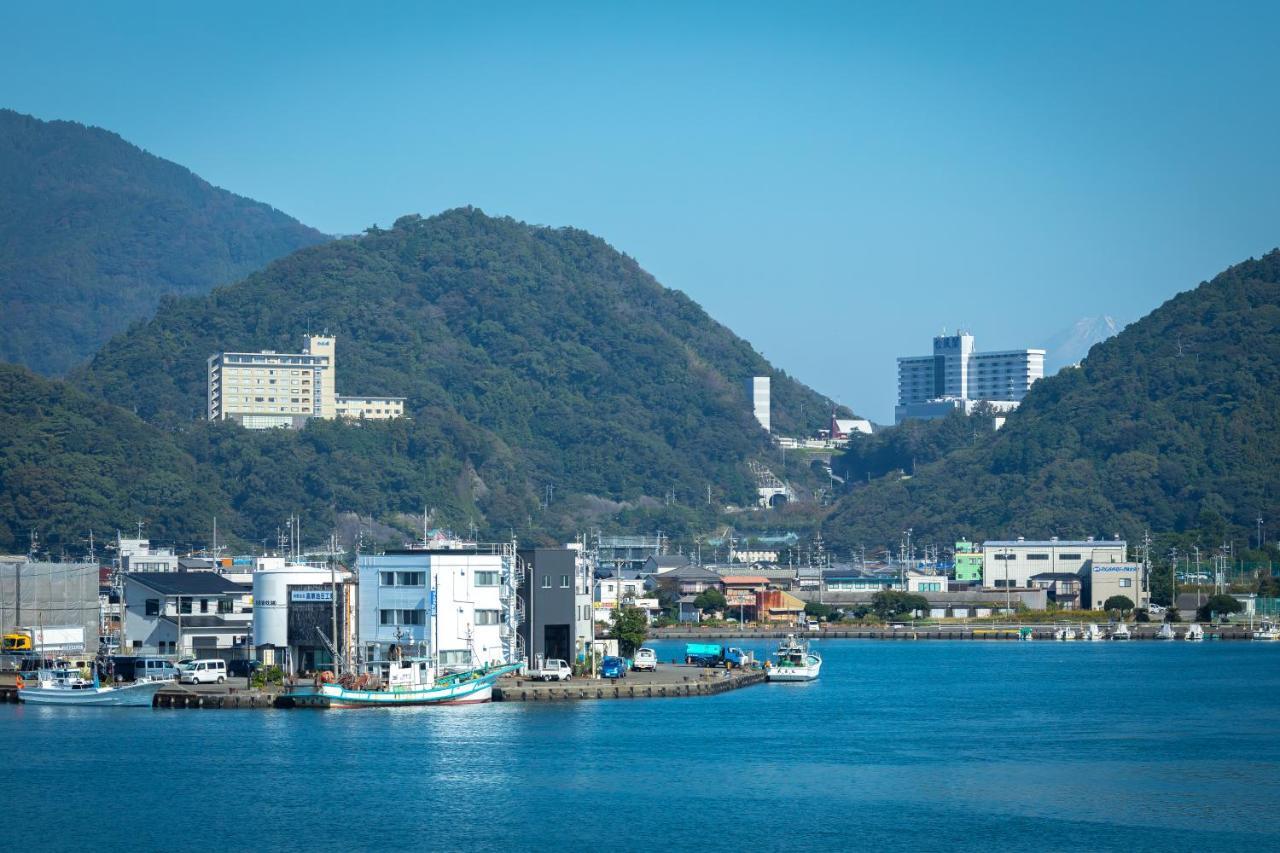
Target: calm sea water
{"type": "Point", "coordinates": [900, 746]}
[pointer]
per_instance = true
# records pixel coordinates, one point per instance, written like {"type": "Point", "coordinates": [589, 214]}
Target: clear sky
{"type": "Point", "coordinates": [835, 182]}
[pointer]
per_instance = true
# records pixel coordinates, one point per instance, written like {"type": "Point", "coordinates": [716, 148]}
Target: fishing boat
{"type": "Point", "coordinates": [1267, 630]}
{"type": "Point", "coordinates": [1064, 632]}
{"type": "Point", "coordinates": [1092, 633]}
{"type": "Point", "coordinates": [400, 682]}
{"type": "Point", "coordinates": [1166, 632]}
{"type": "Point", "coordinates": [69, 687]}
{"type": "Point", "coordinates": [794, 662]}
{"type": "Point", "coordinates": [1120, 632]}
{"type": "Point", "coordinates": [1195, 633]}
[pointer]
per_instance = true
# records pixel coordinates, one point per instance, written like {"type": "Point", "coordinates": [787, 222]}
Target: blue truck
{"type": "Point", "coordinates": [713, 654]}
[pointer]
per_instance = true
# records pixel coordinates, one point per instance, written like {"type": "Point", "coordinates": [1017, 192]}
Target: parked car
{"type": "Point", "coordinates": [552, 670]}
{"type": "Point", "coordinates": [613, 667]}
{"type": "Point", "coordinates": [812, 625]}
{"type": "Point", "coordinates": [209, 671]}
{"type": "Point", "coordinates": [242, 668]}
{"type": "Point", "coordinates": [645, 660]}
{"type": "Point", "coordinates": [153, 669]}
{"type": "Point", "coordinates": [1156, 609]}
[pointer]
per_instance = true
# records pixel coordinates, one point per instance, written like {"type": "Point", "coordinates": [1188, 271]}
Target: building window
{"type": "Point", "coordinates": [184, 605]}
{"type": "Point", "coordinates": [1068, 556]}
{"type": "Point", "coordinates": [386, 617]}
{"type": "Point", "coordinates": [153, 607]}
{"type": "Point", "coordinates": [204, 605]}
{"type": "Point", "coordinates": [488, 617]}
{"type": "Point", "coordinates": [486, 578]}
{"type": "Point", "coordinates": [1037, 556]}
{"type": "Point", "coordinates": [387, 578]}
{"type": "Point", "coordinates": [225, 605]}
{"type": "Point", "coordinates": [137, 644]}
{"type": "Point", "coordinates": [409, 578]}
{"type": "Point", "coordinates": [413, 617]}
{"type": "Point", "coordinates": [1126, 583]}
{"type": "Point", "coordinates": [546, 581]}
{"type": "Point", "coordinates": [564, 581]}
{"type": "Point", "coordinates": [455, 658]}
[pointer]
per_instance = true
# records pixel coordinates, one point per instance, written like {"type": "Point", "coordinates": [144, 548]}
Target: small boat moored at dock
{"type": "Point", "coordinates": [68, 687]}
{"type": "Point", "coordinates": [1267, 631]}
{"type": "Point", "coordinates": [395, 683]}
{"type": "Point", "coordinates": [1092, 633]}
{"type": "Point", "coordinates": [1195, 633]}
{"type": "Point", "coordinates": [794, 662]}
{"type": "Point", "coordinates": [1120, 631]}
{"type": "Point", "coordinates": [1166, 632]}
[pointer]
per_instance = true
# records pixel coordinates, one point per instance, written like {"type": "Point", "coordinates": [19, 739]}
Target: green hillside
{"type": "Point", "coordinates": [70, 464]}
{"type": "Point", "coordinates": [1172, 425]}
{"type": "Point", "coordinates": [531, 357]}
{"type": "Point", "coordinates": [93, 231]}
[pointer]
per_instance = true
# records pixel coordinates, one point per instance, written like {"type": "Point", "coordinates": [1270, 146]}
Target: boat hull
{"type": "Point", "coordinates": [140, 695]}
{"type": "Point", "coordinates": [808, 672]}
{"type": "Point", "coordinates": [469, 691]}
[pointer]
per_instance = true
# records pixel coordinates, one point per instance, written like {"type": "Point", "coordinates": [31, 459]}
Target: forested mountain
{"type": "Point", "coordinates": [70, 464]}
{"type": "Point", "coordinates": [93, 231]}
{"type": "Point", "coordinates": [531, 358]}
{"type": "Point", "coordinates": [1172, 425]}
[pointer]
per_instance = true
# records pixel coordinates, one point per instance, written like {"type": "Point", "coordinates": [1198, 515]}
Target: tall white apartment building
{"type": "Point", "coordinates": [261, 390]}
{"type": "Point", "coordinates": [958, 377]}
{"type": "Point", "coordinates": [759, 390]}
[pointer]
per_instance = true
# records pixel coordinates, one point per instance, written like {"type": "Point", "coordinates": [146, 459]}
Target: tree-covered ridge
{"type": "Point", "coordinates": [531, 357]}
{"type": "Point", "coordinates": [1172, 425]}
{"type": "Point", "coordinates": [70, 464]}
{"type": "Point", "coordinates": [93, 231]}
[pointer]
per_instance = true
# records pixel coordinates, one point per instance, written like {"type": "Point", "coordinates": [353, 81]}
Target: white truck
{"type": "Point", "coordinates": [45, 639]}
{"type": "Point", "coordinates": [552, 670]}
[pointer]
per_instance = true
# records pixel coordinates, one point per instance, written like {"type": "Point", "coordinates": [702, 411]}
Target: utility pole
{"type": "Point", "coordinates": [1259, 533]}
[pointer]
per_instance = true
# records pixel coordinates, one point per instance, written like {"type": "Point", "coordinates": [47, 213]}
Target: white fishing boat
{"type": "Point", "coordinates": [69, 687]}
{"type": "Point", "coordinates": [794, 662]}
{"type": "Point", "coordinates": [401, 682]}
{"type": "Point", "coordinates": [1092, 633]}
{"type": "Point", "coordinates": [1120, 631]}
{"type": "Point", "coordinates": [1195, 633]}
{"type": "Point", "coordinates": [1064, 632]}
{"type": "Point", "coordinates": [1267, 631]}
{"type": "Point", "coordinates": [1166, 632]}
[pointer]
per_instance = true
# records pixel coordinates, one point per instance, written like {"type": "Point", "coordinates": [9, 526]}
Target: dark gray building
{"type": "Point", "coordinates": [556, 592]}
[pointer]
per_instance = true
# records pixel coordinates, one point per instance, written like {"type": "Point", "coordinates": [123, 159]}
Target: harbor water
{"type": "Point", "coordinates": [899, 746]}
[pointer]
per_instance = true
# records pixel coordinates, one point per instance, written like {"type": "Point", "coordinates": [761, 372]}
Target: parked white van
{"type": "Point", "coordinates": [211, 671]}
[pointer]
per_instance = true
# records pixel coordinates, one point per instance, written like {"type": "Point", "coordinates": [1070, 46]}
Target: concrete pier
{"type": "Point", "coordinates": [670, 681]}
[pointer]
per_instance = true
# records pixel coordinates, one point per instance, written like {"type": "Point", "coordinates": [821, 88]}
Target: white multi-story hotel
{"type": "Point", "coordinates": [956, 377]}
{"type": "Point", "coordinates": [268, 389]}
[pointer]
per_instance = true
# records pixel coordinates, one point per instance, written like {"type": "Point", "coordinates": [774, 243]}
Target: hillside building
{"type": "Point", "coordinates": [759, 390]}
{"type": "Point", "coordinates": [263, 390]}
{"type": "Point", "coordinates": [956, 377]}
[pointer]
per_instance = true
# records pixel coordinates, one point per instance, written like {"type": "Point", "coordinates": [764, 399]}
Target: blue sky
{"type": "Point", "coordinates": [834, 182]}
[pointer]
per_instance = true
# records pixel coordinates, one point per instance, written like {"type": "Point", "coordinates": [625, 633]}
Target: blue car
{"type": "Point", "coordinates": [613, 667]}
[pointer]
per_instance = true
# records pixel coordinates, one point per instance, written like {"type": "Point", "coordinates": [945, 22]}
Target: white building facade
{"type": "Point", "coordinates": [1011, 563]}
{"type": "Point", "coordinates": [956, 376]}
{"type": "Point", "coordinates": [300, 610]}
{"type": "Point", "coordinates": [456, 604]}
{"type": "Point", "coordinates": [759, 389]}
{"type": "Point", "coordinates": [263, 390]}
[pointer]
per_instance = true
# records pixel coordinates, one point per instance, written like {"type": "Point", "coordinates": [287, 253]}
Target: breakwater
{"type": "Point", "coordinates": [668, 682]}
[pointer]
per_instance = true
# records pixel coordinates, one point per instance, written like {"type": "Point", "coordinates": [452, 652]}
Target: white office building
{"type": "Point", "coordinates": [1012, 563]}
{"type": "Point", "coordinates": [456, 602]}
{"type": "Point", "coordinates": [958, 377]}
{"type": "Point", "coordinates": [262, 390]}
